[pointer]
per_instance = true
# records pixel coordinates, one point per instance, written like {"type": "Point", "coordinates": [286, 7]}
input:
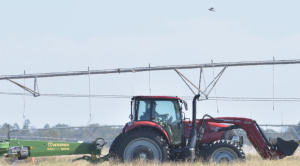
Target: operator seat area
{"type": "Point", "coordinates": [164, 112]}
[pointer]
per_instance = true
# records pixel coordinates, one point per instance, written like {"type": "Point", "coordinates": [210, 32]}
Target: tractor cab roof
{"type": "Point", "coordinates": [156, 97]}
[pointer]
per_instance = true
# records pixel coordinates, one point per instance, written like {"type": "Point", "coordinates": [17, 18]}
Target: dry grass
{"type": "Point", "coordinates": [252, 160]}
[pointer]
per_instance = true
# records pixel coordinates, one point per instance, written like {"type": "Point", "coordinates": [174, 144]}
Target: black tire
{"type": "Point", "coordinates": [224, 151]}
{"type": "Point", "coordinates": [112, 149]}
{"type": "Point", "coordinates": [141, 143]}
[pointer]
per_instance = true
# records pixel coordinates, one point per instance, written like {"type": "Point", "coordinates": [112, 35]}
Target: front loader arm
{"type": "Point", "coordinates": [277, 150]}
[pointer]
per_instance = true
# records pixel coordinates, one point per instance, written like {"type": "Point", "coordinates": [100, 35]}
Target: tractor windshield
{"type": "Point", "coordinates": [167, 108]}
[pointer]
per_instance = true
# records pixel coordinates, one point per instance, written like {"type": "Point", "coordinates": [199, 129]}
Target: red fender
{"type": "Point", "coordinates": [131, 125]}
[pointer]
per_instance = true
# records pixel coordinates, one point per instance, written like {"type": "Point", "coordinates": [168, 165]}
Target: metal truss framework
{"type": "Point", "coordinates": [206, 92]}
{"type": "Point", "coordinates": [157, 68]}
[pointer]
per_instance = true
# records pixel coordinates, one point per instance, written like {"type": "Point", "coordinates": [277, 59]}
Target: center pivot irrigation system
{"type": "Point", "coordinates": [159, 130]}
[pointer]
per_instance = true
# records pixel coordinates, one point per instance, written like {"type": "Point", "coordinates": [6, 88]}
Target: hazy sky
{"type": "Point", "coordinates": [70, 35]}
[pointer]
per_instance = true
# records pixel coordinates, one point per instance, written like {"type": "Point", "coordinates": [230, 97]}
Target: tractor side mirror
{"type": "Point", "coordinates": [185, 105]}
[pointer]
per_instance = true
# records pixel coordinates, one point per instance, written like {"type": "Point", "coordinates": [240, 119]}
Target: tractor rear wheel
{"type": "Point", "coordinates": [112, 149]}
{"type": "Point", "coordinates": [224, 151]}
{"type": "Point", "coordinates": [140, 144]}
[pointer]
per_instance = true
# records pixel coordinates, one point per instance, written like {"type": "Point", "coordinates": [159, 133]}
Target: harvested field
{"type": "Point", "coordinates": [252, 160]}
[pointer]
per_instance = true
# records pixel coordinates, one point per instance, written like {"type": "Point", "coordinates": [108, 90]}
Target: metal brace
{"type": "Point", "coordinates": [184, 78]}
{"type": "Point", "coordinates": [35, 92]}
{"type": "Point", "coordinates": [214, 82]}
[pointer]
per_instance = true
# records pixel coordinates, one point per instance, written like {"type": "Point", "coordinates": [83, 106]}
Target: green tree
{"type": "Point", "coordinates": [47, 126]}
{"type": "Point", "coordinates": [26, 124]}
{"type": "Point", "coordinates": [16, 126]}
{"type": "Point", "coordinates": [5, 126]}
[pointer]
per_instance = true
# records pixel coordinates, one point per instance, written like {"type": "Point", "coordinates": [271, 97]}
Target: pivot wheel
{"type": "Point", "coordinates": [224, 151]}
{"type": "Point", "coordinates": [140, 144]}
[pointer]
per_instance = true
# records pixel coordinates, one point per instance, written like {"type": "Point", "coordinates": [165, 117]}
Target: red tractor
{"type": "Point", "coordinates": [159, 131]}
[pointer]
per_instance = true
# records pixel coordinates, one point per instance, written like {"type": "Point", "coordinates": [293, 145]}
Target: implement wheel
{"type": "Point", "coordinates": [140, 144]}
{"type": "Point", "coordinates": [224, 151]}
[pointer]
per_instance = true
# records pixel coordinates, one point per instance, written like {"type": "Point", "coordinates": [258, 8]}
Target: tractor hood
{"type": "Point", "coordinates": [208, 136]}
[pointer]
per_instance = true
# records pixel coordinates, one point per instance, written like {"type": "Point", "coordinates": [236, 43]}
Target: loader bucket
{"type": "Point", "coordinates": [287, 147]}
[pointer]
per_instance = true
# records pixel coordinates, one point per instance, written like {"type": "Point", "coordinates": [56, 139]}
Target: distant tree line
{"type": "Point", "coordinates": [88, 133]}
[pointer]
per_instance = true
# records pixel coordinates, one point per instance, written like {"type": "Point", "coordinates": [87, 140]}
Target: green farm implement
{"type": "Point", "coordinates": [23, 149]}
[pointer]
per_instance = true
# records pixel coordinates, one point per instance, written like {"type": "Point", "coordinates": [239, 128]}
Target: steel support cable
{"type": "Point", "coordinates": [36, 87]}
{"type": "Point", "coordinates": [213, 81]}
{"type": "Point", "coordinates": [90, 107]}
{"type": "Point", "coordinates": [70, 95]}
{"type": "Point", "coordinates": [24, 97]}
{"type": "Point", "coordinates": [204, 79]}
{"type": "Point", "coordinates": [191, 83]}
{"type": "Point", "coordinates": [149, 81]}
{"type": "Point", "coordinates": [273, 83]}
{"type": "Point", "coordinates": [186, 83]}
{"type": "Point", "coordinates": [214, 86]}
{"type": "Point", "coordinates": [92, 134]}
{"type": "Point", "coordinates": [90, 103]}
{"type": "Point", "coordinates": [183, 97]}
{"type": "Point", "coordinates": [271, 100]}
{"type": "Point", "coordinates": [292, 137]}
{"type": "Point", "coordinates": [258, 98]}
{"type": "Point", "coordinates": [200, 80]}
{"type": "Point", "coordinates": [217, 77]}
{"type": "Point", "coordinates": [90, 93]}
{"type": "Point", "coordinates": [295, 132]}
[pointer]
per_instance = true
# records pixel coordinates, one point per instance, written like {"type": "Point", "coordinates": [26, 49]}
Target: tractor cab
{"type": "Point", "coordinates": [162, 110]}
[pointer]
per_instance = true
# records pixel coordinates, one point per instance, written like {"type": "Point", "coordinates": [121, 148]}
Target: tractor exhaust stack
{"type": "Point", "coordinates": [189, 150]}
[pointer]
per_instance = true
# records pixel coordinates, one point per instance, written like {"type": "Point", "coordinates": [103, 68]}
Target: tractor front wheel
{"type": "Point", "coordinates": [224, 151]}
{"type": "Point", "coordinates": [141, 144]}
